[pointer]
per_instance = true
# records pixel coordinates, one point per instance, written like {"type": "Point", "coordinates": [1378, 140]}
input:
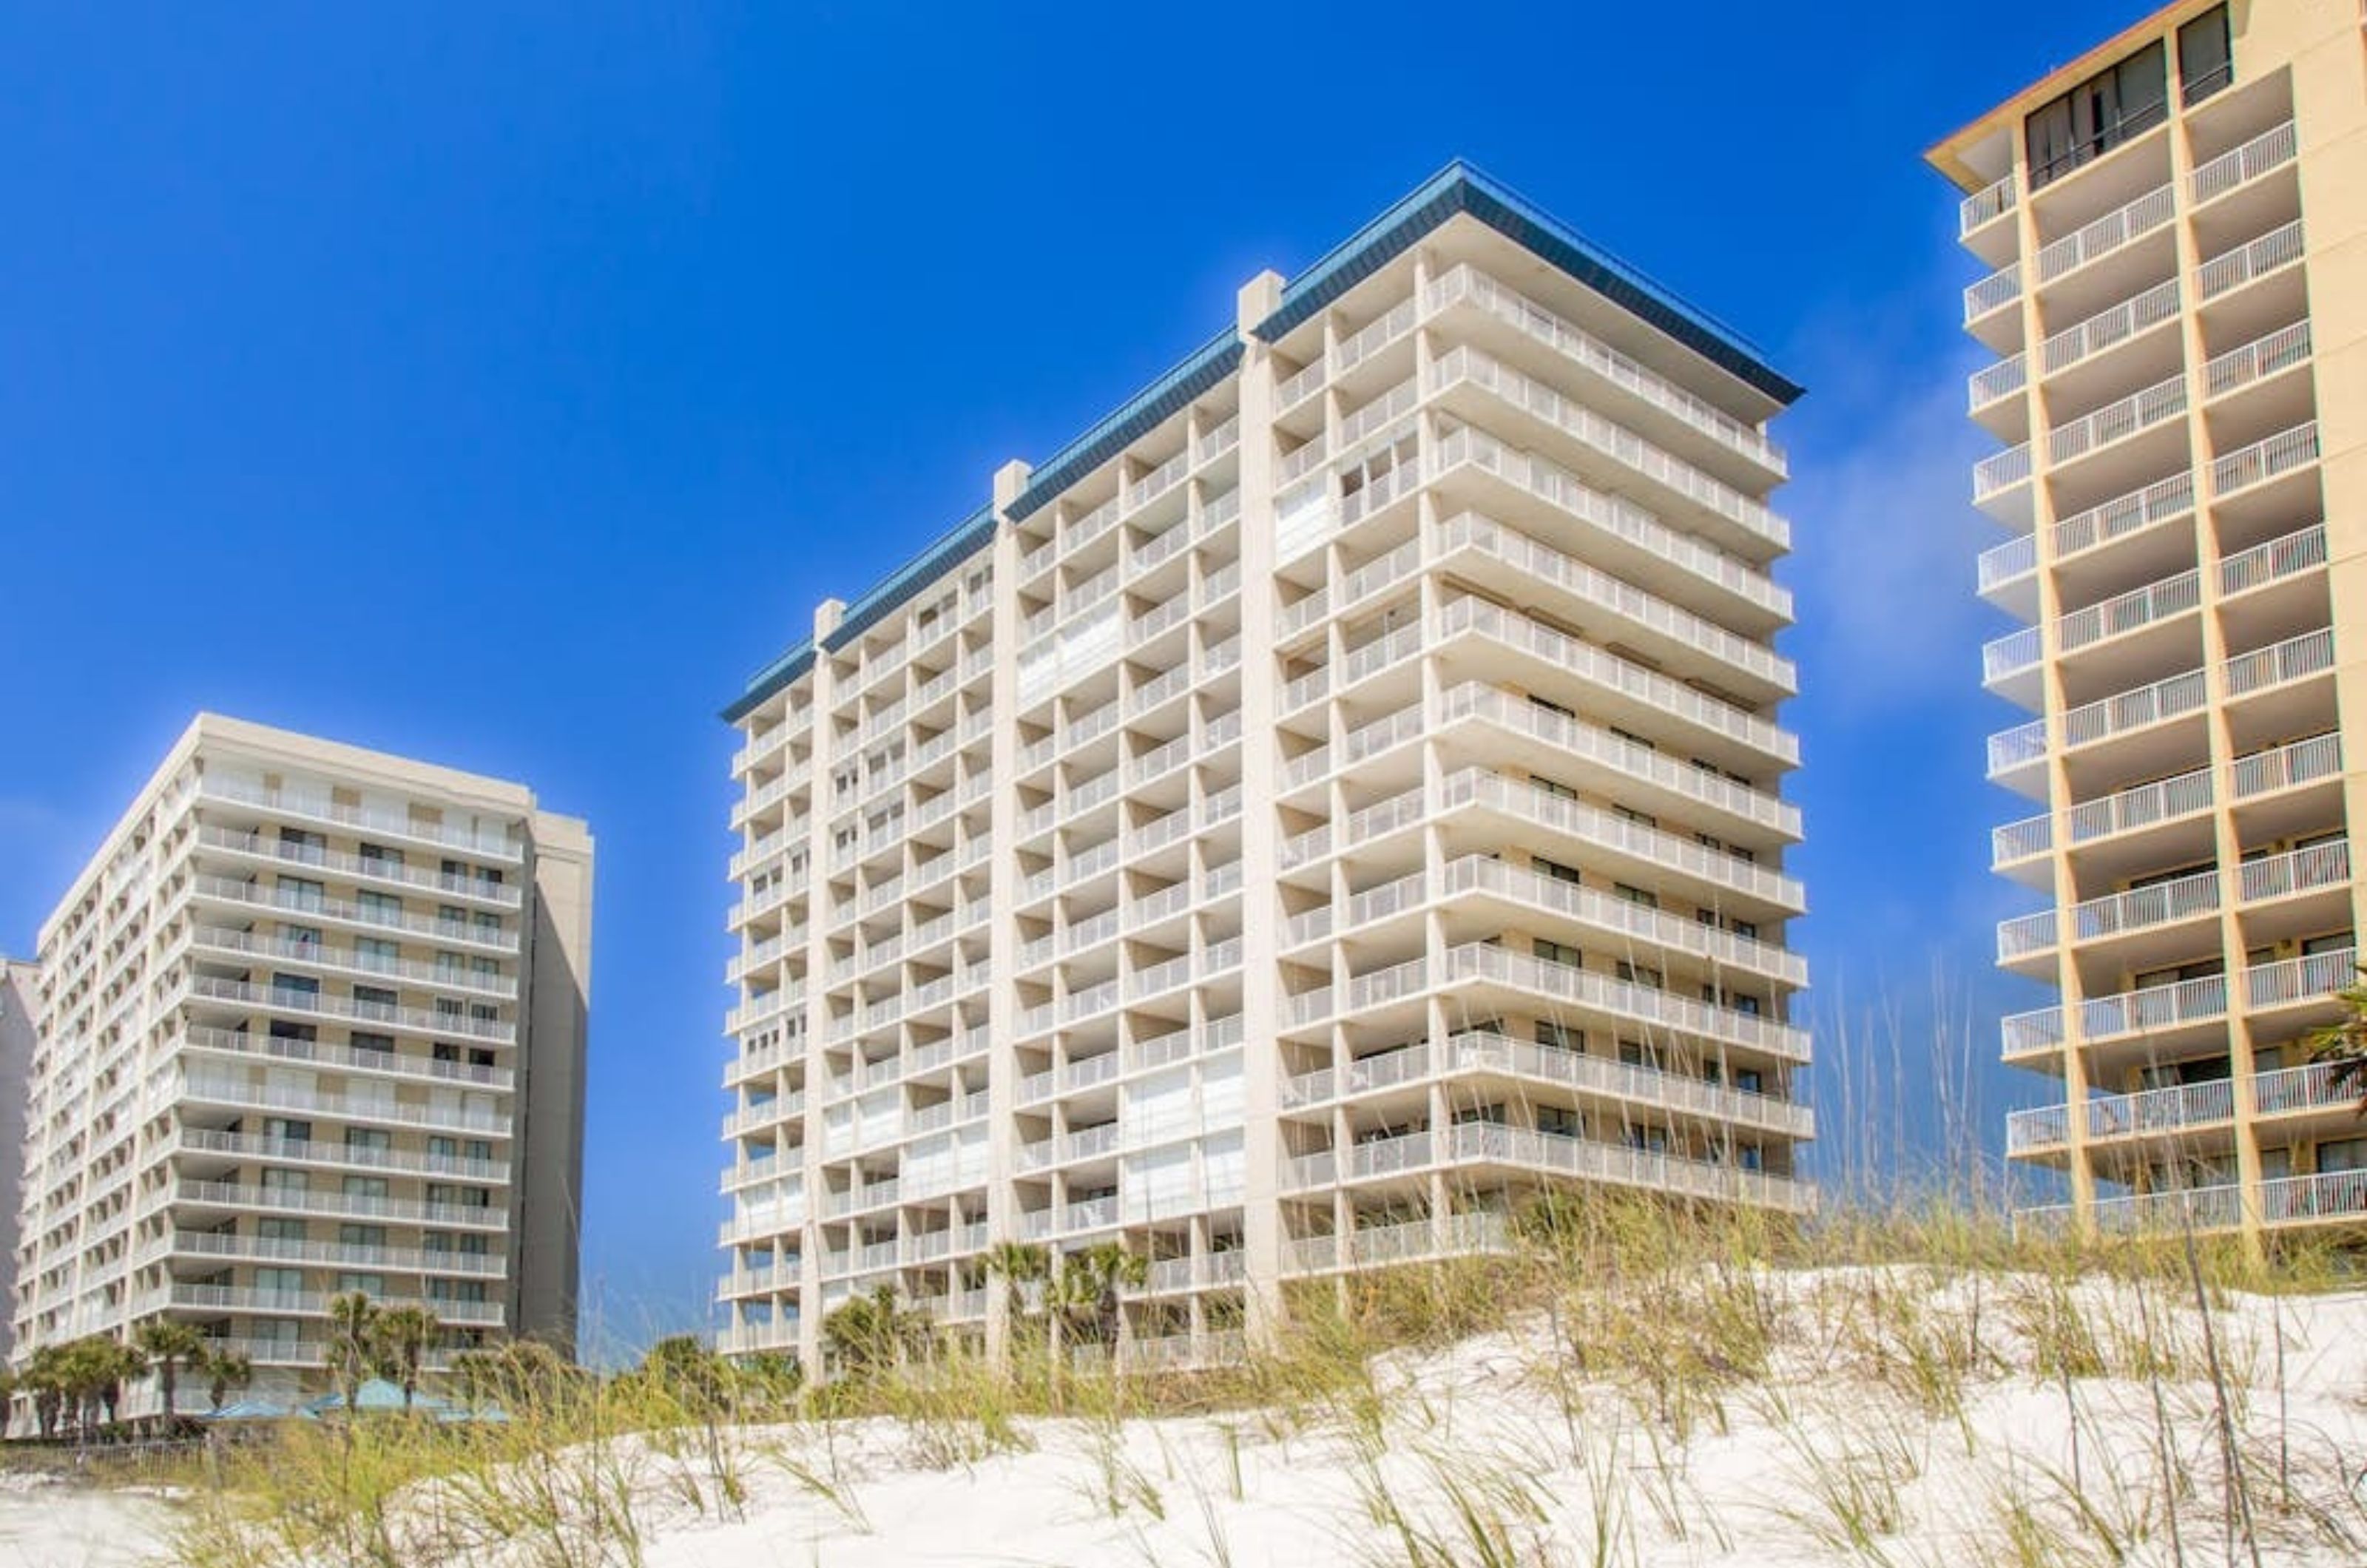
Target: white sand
{"type": "Point", "coordinates": [50, 1524]}
{"type": "Point", "coordinates": [1562, 1471]}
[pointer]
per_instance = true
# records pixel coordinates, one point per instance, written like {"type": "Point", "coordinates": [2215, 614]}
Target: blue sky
{"type": "Point", "coordinates": [502, 388]}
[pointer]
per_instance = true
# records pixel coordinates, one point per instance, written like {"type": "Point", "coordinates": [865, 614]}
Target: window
{"type": "Point", "coordinates": [372, 1285]}
{"type": "Point", "coordinates": [364, 1186]}
{"type": "Point", "coordinates": [1548, 786]}
{"type": "Point", "coordinates": [1559, 1121]}
{"type": "Point", "coordinates": [307, 939]}
{"type": "Point", "coordinates": [1556, 951]}
{"type": "Point", "coordinates": [376, 952]}
{"type": "Point", "coordinates": [286, 1180]}
{"type": "Point", "coordinates": [2108, 108]}
{"type": "Point", "coordinates": [377, 1045]}
{"type": "Point", "coordinates": [280, 1281]}
{"type": "Point", "coordinates": [370, 1138]}
{"type": "Point", "coordinates": [1636, 896]}
{"type": "Point", "coordinates": [380, 908]}
{"type": "Point", "coordinates": [1552, 708]}
{"type": "Point", "coordinates": [1639, 974]}
{"type": "Point", "coordinates": [361, 1235]}
{"type": "Point", "coordinates": [276, 1227]}
{"type": "Point", "coordinates": [374, 1001]}
{"type": "Point", "coordinates": [1749, 1081]}
{"type": "Point", "coordinates": [379, 858]}
{"type": "Point", "coordinates": [294, 990]}
{"type": "Point", "coordinates": [287, 1129]}
{"type": "Point", "coordinates": [1559, 1037]}
{"type": "Point", "coordinates": [2206, 64]}
{"type": "Point", "coordinates": [1641, 818]}
{"type": "Point", "coordinates": [1553, 869]}
{"type": "Point", "coordinates": [297, 893]}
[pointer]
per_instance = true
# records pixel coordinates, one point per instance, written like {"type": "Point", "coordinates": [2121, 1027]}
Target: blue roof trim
{"type": "Point", "coordinates": [1459, 187]}
{"type": "Point", "coordinates": [965, 539]}
{"type": "Point", "coordinates": [1203, 369]}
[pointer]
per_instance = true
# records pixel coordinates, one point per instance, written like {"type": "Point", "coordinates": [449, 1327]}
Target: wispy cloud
{"type": "Point", "coordinates": [1885, 535]}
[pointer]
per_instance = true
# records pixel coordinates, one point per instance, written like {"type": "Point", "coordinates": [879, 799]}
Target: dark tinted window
{"type": "Point", "coordinates": [2204, 61]}
{"type": "Point", "coordinates": [2097, 116]}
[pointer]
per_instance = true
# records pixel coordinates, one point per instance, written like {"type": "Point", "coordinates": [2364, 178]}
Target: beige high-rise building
{"type": "Point", "coordinates": [2177, 223]}
{"type": "Point", "coordinates": [19, 984]}
{"type": "Point", "coordinates": [1335, 797]}
{"type": "Point", "coordinates": [312, 1020]}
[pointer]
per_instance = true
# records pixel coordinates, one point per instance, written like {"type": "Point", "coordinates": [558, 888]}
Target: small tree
{"type": "Point", "coordinates": [48, 1378]}
{"type": "Point", "coordinates": [688, 1372]}
{"type": "Point", "coordinates": [115, 1364]}
{"type": "Point", "coordinates": [1089, 1290]}
{"type": "Point", "coordinates": [871, 1334]}
{"type": "Point", "coordinates": [400, 1337]}
{"type": "Point", "coordinates": [170, 1346]}
{"type": "Point", "coordinates": [223, 1370]}
{"type": "Point", "coordinates": [353, 1344]}
{"type": "Point", "coordinates": [2344, 1043]}
{"type": "Point", "coordinates": [1023, 1266]}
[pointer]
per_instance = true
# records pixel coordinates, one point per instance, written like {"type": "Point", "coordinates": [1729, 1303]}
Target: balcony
{"type": "Point", "coordinates": [1986, 206]}
{"type": "Point", "coordinates": [359, 868]}
{"type": "Point", "coordinates": [2109, 328]}
{"type": "Point", "coordinates": [2269, 150]}
{"type": "Point", "coordinates": [1479, 1054]}
{"type": "Point", "coordinates": [241, 996]}
{"type": "Point", "coordinates": [2155, 405]}
{"type": "Point", "coordinates": [286, 1151]}
{"type": "Point", "coordinates": [362, 820]}
{"type": "Point", "coordinates": [319, 1053]}
{"type": "Point", "coordinates": [329, 1203]}
{"type": "Point", "coordinates": [1448, 1235]}
{"type": "Point", "coordinates": [2115, 230]}
{"type": "Point", "coordinates": [1998, 289]}
{"type": "Point", "coordinates": [2265, 460]}
{"type": "Point", "coordinates": [2247, 263]}
{"type": "Point", "coordinates": [2154, 1010]}
{"type": "Point", "coordinates": [1653, 622]}
{"type": "Point", "coordinates": [1600, 993]}
{"type": "Point", "coordinates": [2257, 360]}
{"type": "Point", "coordinates": [2297, 871]}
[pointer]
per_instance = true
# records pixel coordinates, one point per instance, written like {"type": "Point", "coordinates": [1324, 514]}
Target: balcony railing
{"type": "Point", "coordinates": [2119, 714]}
{"type": "Point", "coordinates": [2001, 471]}
{"type": "Point", "coordinates": [2156, 1008]}
{"type": "Point", "coordinates": [2110, 327]}
{"type": "Point", "coordinates": [2155, 602]}
{"type": "Point", "coordinates": [2295, 659]}
{"type": "Point", "coordinates": [1985, 205]}
{"type": "Point", "coordinates": [2141, 806]}
{"type": "Point", "coordinates": [2142, 909]}
{"type": "Point", "coordinates": [2302, 550]}
{"type": "Point", "coordinates": [2297, 871]}
{"type": "Point", "coordinates": [2271, 150]}
{"type": "Point", "coordinates": [1999, 564]}
{"type": "Point", "coordinates": [2257, 258]}
{"type": "Point", "coordinates": [2122, 515]}
{"type": "Point", "coordinates": [2256, 361]}
{"type": "Point", "coordinates": [2156, 404]}
{"type": "Point", "coordinates": [1994, 381]}
{"type": "Point", "coordinates": [1999, 289]}
{"type": "Point", "coordinates": [2301, 761]}
{"type": "Point", "coordinates": [2264, 460]}
{"type": "Point", "coordinates": [2107, 234]}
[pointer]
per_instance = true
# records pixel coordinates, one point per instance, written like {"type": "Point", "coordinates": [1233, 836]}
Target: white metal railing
{"type": "Point", "coordinates": [2020, 840]}
{"type": "Point", "coordinates": [2046, 1126]}
{"type": "Point", "coordinates": [2122, 515]}
{"type": "Point", "coordinates": [1604, 830]}
{"type": "Point", "coordinates": [2270, 150]}
{"type": "Point", "coordinates": [1616, 751]}
{"type": "Point", "coordinates": [1471, 531]}
{"type": "Point", "coordinates": [2154, 602]}
{"type": "Point", "coordinates": [2301, 762]}
{"type": "Point", "coordinates": [1985, 205]}
{"type": "Point", "coordinates": [2199, 1000]}
{"type": "Point", "coordinates": [197, 1037]}
{"type": "Point", "coordinates": [1999, 288]}
{"type": "Point", "coordinates": [2119, 714]}
{"type": "Point", "coordinates": [2141, 805]}
{"type": "Point", "coordinates": [2009, 654]}
{"type": "Point", "coordinates": [1613, 515]}
{"type": "Point", "coordinates": [2107, 234]}
{"type": "Point", "coordinates": [2265, 459]}
{"type": "Point", "coordinates": [1475, 1141]}
{"type": "Point", "coordinates": [2001, 471]}
{"type": "Point", "coordinates": [324, 808]}
{"type": "Point", "coordinates": [2264, 357]}
{"type": "Point", "coordinates": [2295, 658]}
{"type": "Point", "coordinates": [2140, 410]}
{"type": "Point", "coordinates": [2161, 1109]}
{"type": "Point", "coordinates": [2000, 564]}
{"type": "Point", "coordinates": [2141, 908]}
{"type": "Point", "coordinates": [2110, 327]}
{"type": "Point", "coordinates": [1621, 997]}
{"type": "Point", "coordinates": [2256, 258]}
{"type": "Point", "coordinates": [1991, 382]}
{"type": "Point", "coordinates": [362, 868]}
{"type": "Point", "coordinates": [2302, 550]}
{"type": "Point", "coordinates": [2306, 978]}
{"type": "Point", "coordinates": [2025, 1031]}
{"type": "Point", "coordinates": [2026, 933]}
{"type": "Point", "coordinates": [1467, 282]}
{"type": "Point", "coordinates": [1463, 363]}
{"type": "Point", "coordinates": [2296, 871]}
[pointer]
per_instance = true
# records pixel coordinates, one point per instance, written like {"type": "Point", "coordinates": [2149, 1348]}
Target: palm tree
{"type": "Point", "coordinates": [871, 1332]}
{"type": "Point", "coordinates": [400, 1339]}
{"type": "Point", "coordinates": [352, 1349]}
{"type": "Point", "coordinates": [1024, 1265]}
{"type": "Point", "coordinates": [46, 1377]}
{"type": "Point", "coordinates": [1090, 1287]}
{"type": "Point", "coordinates": [2345, 1044]}
{"type": "Point", "coordinates": [223, 1370]}
{"type": "Point", "coordinates": [114, 1363]}
{"type": "Point", "coordinates": [170, 1345]}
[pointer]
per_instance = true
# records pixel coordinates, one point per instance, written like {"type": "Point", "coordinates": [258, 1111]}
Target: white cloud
{"type": "Point", "coordinates": [1885, 536]}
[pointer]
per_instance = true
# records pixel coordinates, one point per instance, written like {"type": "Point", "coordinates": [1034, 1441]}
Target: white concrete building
{"type": "Point", "coordinates": [1335, 796]}
{"type": "Point", "coordinates": [312, 1020]}
{"type": "Point", "coordinates": [18, 985]}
